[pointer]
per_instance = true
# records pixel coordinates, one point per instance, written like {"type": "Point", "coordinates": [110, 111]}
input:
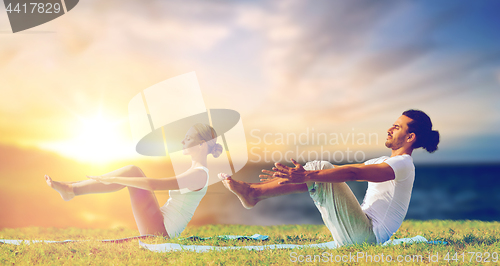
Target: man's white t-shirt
{"type": "Point", "coordinates": [386, 203]}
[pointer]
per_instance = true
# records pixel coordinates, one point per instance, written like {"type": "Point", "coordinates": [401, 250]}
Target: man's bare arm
{"type": "Point", "coordinates": [354, 172]}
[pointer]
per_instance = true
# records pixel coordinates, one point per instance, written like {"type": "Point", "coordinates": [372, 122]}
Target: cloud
{"type": "Point", "coordinates": [362, 57]}
{"type": "Point", "coordinates": [97, 57]}
{"type": "Point", "coordinates": [311, 49]}
{"type": "Point", "coordinates": [287, 62]}
{"type": "Point", "coordinates": [327, 30]}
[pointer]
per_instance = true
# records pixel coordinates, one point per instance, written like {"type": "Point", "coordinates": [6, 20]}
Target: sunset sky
{"type": "Point", "coordinates": [348, 68]}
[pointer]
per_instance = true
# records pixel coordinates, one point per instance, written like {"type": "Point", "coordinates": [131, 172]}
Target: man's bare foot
{"type": "Point", "coordinates": [241, 189]}
{"type": "Point", "coordinates": [64, 189]}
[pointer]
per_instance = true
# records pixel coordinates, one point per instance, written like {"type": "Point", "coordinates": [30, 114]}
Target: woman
{"type": "Point", "coordinates": [171, 219]}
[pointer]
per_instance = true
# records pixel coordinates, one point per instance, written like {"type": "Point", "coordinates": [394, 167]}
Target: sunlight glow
{"type": "Point", "coordinates": [100, 139]}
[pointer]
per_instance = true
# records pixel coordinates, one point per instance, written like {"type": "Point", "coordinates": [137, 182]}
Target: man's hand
{"type": "Point", "coordinates": [296, 175]}
{"type": "Point", "coordinates": [275, 174]}
{"type": "Point", "coordinates": [268, 177]}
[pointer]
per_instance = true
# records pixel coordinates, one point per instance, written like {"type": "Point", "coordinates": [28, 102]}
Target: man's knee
{"type": "Point", "coordinates": [326, 165]}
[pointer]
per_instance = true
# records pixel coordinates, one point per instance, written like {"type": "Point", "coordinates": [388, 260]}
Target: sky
{"type": "Point", "coordinates": [344, 69]}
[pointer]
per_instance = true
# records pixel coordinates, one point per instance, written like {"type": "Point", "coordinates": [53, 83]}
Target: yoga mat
{"type": "Point", "coordinates": [169, 247]}
{"type": "Point", "coordinates": [229, 237]}
{"type": "Point", "coordinates": [194, 238]}
{"type": "Point", "coordinates": [27, 242]}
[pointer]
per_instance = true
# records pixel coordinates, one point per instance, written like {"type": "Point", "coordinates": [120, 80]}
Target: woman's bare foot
{"type": "Point", "coordinates": [64, 189]}
{"type": "Point", "coordinates": [241, 189]}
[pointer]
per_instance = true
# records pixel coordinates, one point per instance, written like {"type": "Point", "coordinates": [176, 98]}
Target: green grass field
{"type": "Point", "coordinates": [473, 242]}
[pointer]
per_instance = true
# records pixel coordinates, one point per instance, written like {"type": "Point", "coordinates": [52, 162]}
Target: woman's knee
{"type": "Point", "coordinates": [133, 171]}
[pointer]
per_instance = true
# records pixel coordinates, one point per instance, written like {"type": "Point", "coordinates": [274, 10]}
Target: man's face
{"type": "Point", "coordinates": [398, 133]}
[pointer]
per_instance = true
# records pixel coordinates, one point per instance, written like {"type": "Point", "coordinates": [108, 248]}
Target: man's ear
{"type": "Point", "coordinates": [411, 137]}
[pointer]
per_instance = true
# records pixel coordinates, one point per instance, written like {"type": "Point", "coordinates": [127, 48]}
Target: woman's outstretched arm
{"type": "Point", "coordinates": [192, 179]}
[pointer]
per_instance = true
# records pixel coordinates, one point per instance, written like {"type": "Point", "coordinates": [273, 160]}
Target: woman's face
{"type": "Point", "coordinates": [191, 142]}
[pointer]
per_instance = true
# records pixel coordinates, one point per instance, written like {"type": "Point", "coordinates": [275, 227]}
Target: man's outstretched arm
{"type": "Point", "coordinates": [355, 172]}
{"type": "Point", "coordinates": [371, 173]}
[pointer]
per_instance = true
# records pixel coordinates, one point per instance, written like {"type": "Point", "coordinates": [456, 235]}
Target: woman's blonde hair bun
{"type": "Point", "coordinates": [217, 150]}
{"type": "Point", "coordinates": [207, 133]}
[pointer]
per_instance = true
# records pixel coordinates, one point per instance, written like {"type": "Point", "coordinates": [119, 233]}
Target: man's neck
{"type": "Point", "coordinates": [401, 151]}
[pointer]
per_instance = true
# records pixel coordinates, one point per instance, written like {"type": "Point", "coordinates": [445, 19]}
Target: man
{"type": "Point", "coordinates": [390, 182]}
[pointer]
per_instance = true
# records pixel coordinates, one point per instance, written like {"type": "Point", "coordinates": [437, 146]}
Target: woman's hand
{"type": "Point", "coordinates": [102, 179]}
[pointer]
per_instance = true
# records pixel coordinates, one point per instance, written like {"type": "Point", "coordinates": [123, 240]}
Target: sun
{"type": "Point", "coordinates": [99, 139]}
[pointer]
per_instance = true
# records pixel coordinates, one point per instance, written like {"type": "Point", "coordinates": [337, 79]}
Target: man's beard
{"type": "Point", "coordinates": [394, 144]}
{"type": "Point", "coordinates": [388, 144]}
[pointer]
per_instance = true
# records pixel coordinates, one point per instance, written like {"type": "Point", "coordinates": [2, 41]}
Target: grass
{"type": "Point", "coordinates": [478, 238]}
